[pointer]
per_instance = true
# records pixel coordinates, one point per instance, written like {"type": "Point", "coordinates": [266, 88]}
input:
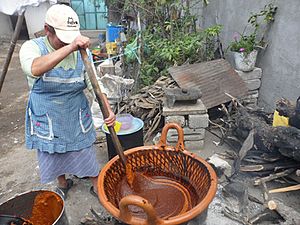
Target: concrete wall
{"type": "Point", "coordinates": [280, 62]}
{"type": "Point", "coordinates": [6, 29]}
{"type": "Point", "coordinates": [35, 18]}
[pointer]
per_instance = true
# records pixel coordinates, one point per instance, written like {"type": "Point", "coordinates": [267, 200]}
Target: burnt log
{"type": "Point", "coordinates": [273, 176]}
{"type": "Point", "coordinates": [290, 110]}
{"type": "Point", "coordinates": [285, 107]}
{"type": "Point", "coordinates": [289, 214]}
{"type": "Point", "coordinates": [286, 140]}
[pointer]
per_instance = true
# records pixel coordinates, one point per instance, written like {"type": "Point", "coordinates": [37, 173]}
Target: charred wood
{"type": "Point", "coordinates": [266, 215]}
{"type": "Point", "coordinates": [273, 176]}
{"type": "Point", "coordinates": [290, 110]}
{"type": "Point", "coordinates": [286, 140]}
{"type": "Point", "coordinates": [270, 166]}
{"type": "Point", "coordinates": [291, 216]}
{"type": "Point", "coordinates": [285, 107]}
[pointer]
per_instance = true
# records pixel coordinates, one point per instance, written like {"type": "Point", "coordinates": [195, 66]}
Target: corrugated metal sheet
{"type": "Point", "coordinates": [213, 78]}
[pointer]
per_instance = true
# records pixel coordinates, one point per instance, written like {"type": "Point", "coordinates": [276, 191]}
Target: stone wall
{"type": "Point", "coordinates": [193, 118]}
{"type": "Point", "coordinates": [253, 82]}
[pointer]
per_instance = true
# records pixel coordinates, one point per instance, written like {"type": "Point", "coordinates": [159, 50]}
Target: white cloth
{"type": "Point", "coordinates": [114, 86]}
{"type": "Point", "coordinates": [11, 7]}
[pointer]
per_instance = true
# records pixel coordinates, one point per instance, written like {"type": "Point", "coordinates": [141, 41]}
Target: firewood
{"type": "Point", "coordinates": [285, 107]}
{"type": "Point", "coordinates": [286, 140]}
{"type": "Point", "coordinates": [273, 176]}
{"type": "Point", "coordinates": [266, 215]}
{"type": "Point", "coordinates": [286, 189]}
{"type": "Point", "coordinates": [289, 214]}
{"type": "Point", "coordinates": [147, 104]}
{"type": "Point", "coordinates": [266, 192]}
{"type": "Point", "coordinates": [269, 166]}
{"type": "Point", "coordinates": [247, 145]}
{"type": "Point", "coordinates": [235, 216]}
{"type": "Point", "coordinates": [290, 110]}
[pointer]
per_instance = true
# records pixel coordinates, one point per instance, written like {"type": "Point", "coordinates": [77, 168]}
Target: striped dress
{"type": "Point", "coordinates": [81, 163]}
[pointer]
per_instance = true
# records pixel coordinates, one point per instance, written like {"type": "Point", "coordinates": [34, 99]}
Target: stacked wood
{"type": "Point", "coordinates": [147, 104]}
{"type": "Point", "coordinates": [270, 152]}
{"type": "Point", "coordinates": [285, 140]}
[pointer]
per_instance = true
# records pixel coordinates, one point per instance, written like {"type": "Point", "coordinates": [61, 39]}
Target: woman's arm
{"type": "Point", "coordinates": [45, 63]}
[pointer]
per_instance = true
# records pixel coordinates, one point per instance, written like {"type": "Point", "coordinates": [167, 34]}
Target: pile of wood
{"type": "Point", "coordinates": [267, 150]}
{"type": "Point", "coordinates": [280, 143]}
{"type": "Point", "coordinates": [147, 105]}
{"type": "Point", "coordinates": [269, 153]}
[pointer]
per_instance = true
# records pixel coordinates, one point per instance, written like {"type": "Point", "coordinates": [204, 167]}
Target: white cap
{"type": "Point", "coordinates": [65, 22]}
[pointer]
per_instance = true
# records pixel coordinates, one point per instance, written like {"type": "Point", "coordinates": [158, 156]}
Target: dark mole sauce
{"type": "Point", "coordinates": [168, 197]}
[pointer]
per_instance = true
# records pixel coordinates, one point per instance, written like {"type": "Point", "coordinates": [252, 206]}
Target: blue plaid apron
{"type": "Point", "coordinates": [58, 116]}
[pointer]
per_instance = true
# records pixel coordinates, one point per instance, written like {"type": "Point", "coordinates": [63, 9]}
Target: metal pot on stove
{"type": "Point", "coordinates": [34, 207]}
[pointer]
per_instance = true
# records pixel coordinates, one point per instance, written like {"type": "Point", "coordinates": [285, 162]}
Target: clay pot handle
{"type": "Point", "coordinates": [163, 139]}
{"type": "Point", "coordinates": [136, 200]}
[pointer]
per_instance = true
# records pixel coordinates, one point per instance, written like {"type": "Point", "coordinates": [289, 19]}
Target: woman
{"type": "Point", "coordinates": [58, 117]}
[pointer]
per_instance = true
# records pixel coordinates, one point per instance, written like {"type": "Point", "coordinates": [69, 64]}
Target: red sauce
{"type": "Point", "coordinates": [46, 209]}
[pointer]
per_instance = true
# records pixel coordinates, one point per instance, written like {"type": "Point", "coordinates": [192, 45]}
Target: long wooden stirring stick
{"type": "Point", "coordinates": [90, 68]}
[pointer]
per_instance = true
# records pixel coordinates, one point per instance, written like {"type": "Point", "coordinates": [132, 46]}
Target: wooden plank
{"type": "Point", "coordinates": [286, 189]}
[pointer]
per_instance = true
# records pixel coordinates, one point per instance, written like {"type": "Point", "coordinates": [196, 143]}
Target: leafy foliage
{"type": "Point", "coordinates": [246, 44]}
{"type": "Point", "coordinates": [184, 47]}
{"type": "Point", "coordinates": [171, 35]}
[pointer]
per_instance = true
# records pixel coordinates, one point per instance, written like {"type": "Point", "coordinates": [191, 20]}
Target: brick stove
{"type": "Point", "coordinates": [193, 118]}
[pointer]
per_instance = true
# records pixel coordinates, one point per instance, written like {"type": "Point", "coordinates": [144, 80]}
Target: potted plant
{"type": "Point", "coordinates": [245, 45]}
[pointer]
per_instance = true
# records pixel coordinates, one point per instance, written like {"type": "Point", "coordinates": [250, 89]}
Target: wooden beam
{"type": "Point", "coordinates": [11, 49]}
{"type": "Point", "coordinates": [286, 189]}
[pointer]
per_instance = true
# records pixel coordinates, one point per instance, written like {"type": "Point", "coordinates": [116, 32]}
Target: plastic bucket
{"type": "Point", "coordinates": [39, 207]}
{"type": "Point", "coordinates": [102, 37]}
{"type": "Point", "coordinates": [126, 120]}
{"type": "Point", "coordinates": [129, 138]}
{"type": "Point", "coordinates": [113, 32]}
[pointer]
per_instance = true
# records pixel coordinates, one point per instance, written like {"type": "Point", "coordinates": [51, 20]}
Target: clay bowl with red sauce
{"type": "Point", "coordinates": [164, 166]}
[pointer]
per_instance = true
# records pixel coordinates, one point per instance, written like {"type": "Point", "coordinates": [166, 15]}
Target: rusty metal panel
{"type": "Point", "coordinates": [213, 78]}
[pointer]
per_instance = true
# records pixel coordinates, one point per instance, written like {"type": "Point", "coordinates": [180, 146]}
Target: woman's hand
{"type": "Point", "coordinates": [110, 120]}
{"type": "Point", "coordinates": [80, 42]}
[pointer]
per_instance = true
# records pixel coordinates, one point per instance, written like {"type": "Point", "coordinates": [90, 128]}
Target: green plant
{"type": "Point", "coordinates": [171, 35]}
{"type": "Point", "coordinates": [246, 43]}
{"type": "Point", "coordinates": [183, 48]}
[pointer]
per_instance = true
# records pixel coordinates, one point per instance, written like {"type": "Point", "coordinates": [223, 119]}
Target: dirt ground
{"type": "Point", "coordinates": [19, 169]}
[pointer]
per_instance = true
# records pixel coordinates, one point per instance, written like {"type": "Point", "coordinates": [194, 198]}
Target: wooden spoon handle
{"type": "Point", "coordinates": [101, 101]}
